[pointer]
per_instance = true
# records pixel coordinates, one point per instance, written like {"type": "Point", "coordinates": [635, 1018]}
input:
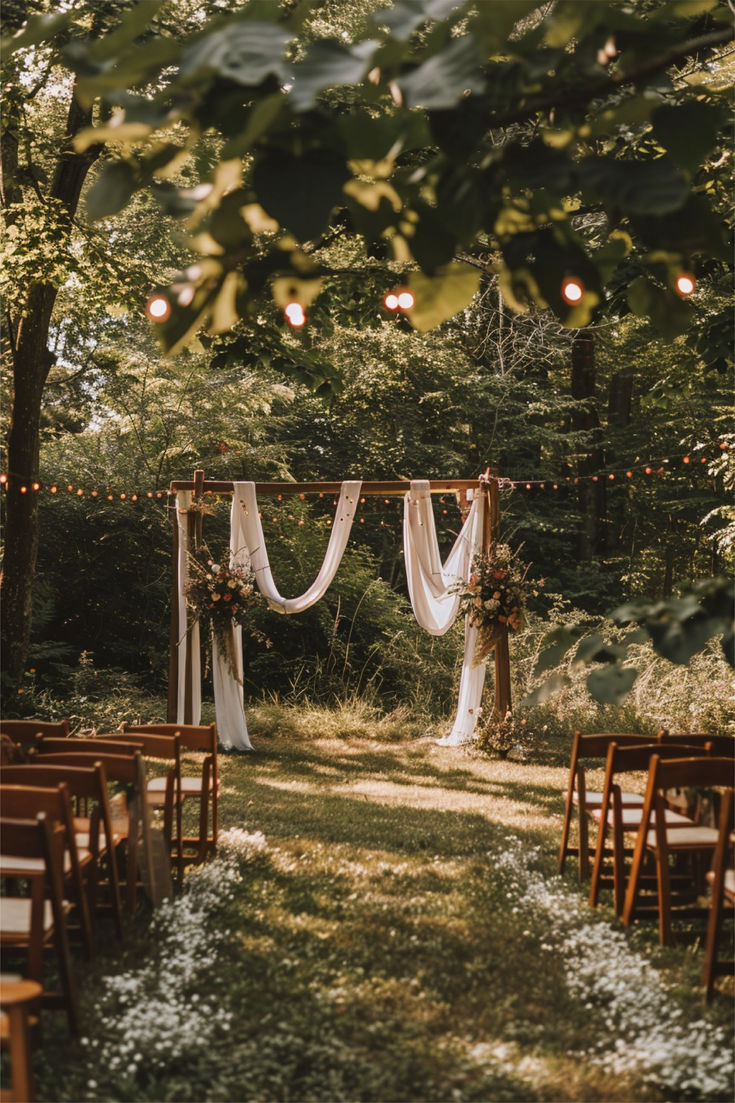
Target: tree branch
{"type": "Point", "coordinates": [576, 96]}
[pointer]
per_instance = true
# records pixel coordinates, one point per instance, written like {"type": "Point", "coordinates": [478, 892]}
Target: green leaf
{"type": "Point", "coordinates": [243, 52]}
{"type": "Point", "coordinates": [404, 16]}
{"type": "Point", "coordinates": [111, 190]}
{"type": "Point", "coordinates": [688, 131]}
{"type": "Point", "coordinates": [667, 311]}
{"type": "Point", "coordinates": [593, 649]}
{"type": "Point", "coordinates": [547, 689]}
{"type": "Point", "coordinates": [326, 64]}
{"type": "Point", "coordinates": [300, 192]}
{"type": "Point", "coordinates": [39, 28]}
{"type": "Point", "coordinates": [611, 684]}
{"type": "Point", "coordinates": [133, 23]}
{"type": "Point", "coordinates": [260, 119]}
{"type": "Point", "coordinates": [440, 297]}
{"type": "Point", "coordinates": [443, 80]}
{"type": "Point", "coordinates": [637, 187]}
{"type": "Point", "coordinates": [496, 21]}
{"type": "Point", "coordinates": [371, 137]}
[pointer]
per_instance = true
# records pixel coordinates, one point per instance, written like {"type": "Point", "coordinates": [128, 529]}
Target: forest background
{"type": "Point", "coordinates": [612, 437]}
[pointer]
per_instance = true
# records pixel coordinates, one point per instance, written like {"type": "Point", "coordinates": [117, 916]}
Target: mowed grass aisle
{"type": "Point", "coordinates": [385, 923]}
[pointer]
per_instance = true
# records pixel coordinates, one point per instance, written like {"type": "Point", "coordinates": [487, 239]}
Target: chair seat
{"type": "Point", "coordinates": [191, 786]}
{"type": "Point", "coordinates": [631, 818]}
{"type": "Point", "coordinates": [686, 838]}
{"type": "Point", "coordinates": [33, 865]}
{"type": "Point", "coordinates": [594, 800]}
{"type": "Point", "coordinates": [15, 918]}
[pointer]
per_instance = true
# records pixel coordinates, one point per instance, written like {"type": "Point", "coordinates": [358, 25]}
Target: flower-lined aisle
{"type": "Point", "coordinates": [387, 925]}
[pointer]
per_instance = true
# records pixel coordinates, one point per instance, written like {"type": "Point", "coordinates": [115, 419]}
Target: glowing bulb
{"type": "Point", "coordinates": [685, 284]}
{"type": "Point", "coordinates": [572, 290]}
{"type": "Point", "coordinates": [390, 302]}
{"type": "Point", "coordinates": [158, 308]}
{"type": "Point", "coordinates": [295, 315]}
{"type": "Point", "coordinates": [406, 300]}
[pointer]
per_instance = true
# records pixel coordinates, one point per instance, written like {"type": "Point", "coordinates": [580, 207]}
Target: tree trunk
{"type": "Point", "coordinates": [28, 336]}
{"type": "Point", "coordinates": [591, 494]}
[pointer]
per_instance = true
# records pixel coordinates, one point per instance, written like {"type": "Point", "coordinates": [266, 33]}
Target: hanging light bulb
{"type": "Point", "coordinates": [158, 308]}
{"type": "Point", "coordinates": [572, 290]}
{"type": "Point", "coordinates": [685, 284]}
{"type": "Point", "coordinates": [295, 315]}
{"type": "Point", "coordinates": [401, 298]}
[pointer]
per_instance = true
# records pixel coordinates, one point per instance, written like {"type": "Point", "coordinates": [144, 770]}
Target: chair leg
{"type": "Point", "coordinates": [19, 1048]}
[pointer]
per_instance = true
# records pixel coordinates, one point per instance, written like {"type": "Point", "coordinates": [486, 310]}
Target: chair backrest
{"type": "Point", "coordinates": [677, 773]}
{"type": "Point", "coordinates": [25, 732]}
{"type": "Point", "coordinates": [19, 802]}
{"type": "Point", "coordinates": [153, 745]}
{"type": "Point", "coordinates": [87, 784]}
{"type": "Point", "coordinates": [118, 767]}
{"type": "Point", "coordinates": [721, 745]}
{"type": "Point", "coordinates": [595, 746]}
{"type": "Point", "coordinates": [192, 737]}
{"type": "Point", "coordinates": [45, 745]}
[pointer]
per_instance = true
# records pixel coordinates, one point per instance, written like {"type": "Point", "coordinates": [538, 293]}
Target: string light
{"type": "Point", "coordinates": [685, 284]}
{"type": "Point", "coordinates": [295, 315]}
{"type": "Point", "coordinates": [572, 290]}
{"type": "Point", "coordinates": [402, 298]}
{"type": "Point", "coordinates": [158, 308]}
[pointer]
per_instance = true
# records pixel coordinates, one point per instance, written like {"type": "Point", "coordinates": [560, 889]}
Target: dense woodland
{"type": "Point", "coordinates": [609, 428]}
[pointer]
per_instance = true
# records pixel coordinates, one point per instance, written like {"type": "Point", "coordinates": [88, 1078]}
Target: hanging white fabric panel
{"type": "Point", "coordinates": [471, 685]}
{"type": "Point", "coordinates": [247, 534]}
{"type": "Point", "coordinates": [186, 642]}
{"type": "Point", "coordinates": [435, 605]}
{"type": "Point", "coordinates": [427, 580]}
{"type": "Point", "coordinates": [229, 705]}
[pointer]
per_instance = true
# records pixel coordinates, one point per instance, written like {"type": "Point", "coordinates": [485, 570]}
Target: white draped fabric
{"type": "Point", "coordinates": [183, 504]}
{"type": "Point", "coordinates": [247, 533]}
{"type": "Point", "coordinates": [430, 588]}
{"type": "Point", "coordinates": [430, 584]}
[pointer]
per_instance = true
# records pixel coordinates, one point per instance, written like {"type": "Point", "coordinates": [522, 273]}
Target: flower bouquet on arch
{"type": "Point", "coordinates": [494, 596]}
{"type": "Point", "coordinates": [222, 596]}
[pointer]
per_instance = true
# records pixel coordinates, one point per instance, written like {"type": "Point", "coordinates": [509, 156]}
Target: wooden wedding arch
{"type": "Point", "coordinates": [200, 486]}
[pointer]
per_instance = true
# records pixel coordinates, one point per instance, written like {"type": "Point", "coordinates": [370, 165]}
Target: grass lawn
{"type": "Point", "coordinates": [385, 923]}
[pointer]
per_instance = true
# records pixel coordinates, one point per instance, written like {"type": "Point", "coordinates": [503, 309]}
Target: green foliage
{"type": "Point", "coordinates": [486, 128]}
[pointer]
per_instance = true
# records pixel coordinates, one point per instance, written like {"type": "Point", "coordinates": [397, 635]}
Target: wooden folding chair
{"type": "Point", "coordinates": [34, 922]}
{"type": "Point", "coordinates": [620, 820]}
{"type": "Point", "coordinates": [93, 827]}
{"type": "Point", "coordinates": [124, 768]}
{"type": "Point", "coordinates": [19, 802]}
{"type": "Point", "coordinates": [19, 1000]}
{"type": "Point", "coordinates": [722, 881]}
{"type": "Point", "coordinates": [25, 732]}
{"type": "Point", "coordinates": [660, 842]}
{"type": "Point", "coordinates": [200, 739]}
{"type": "Point", "coordinates": [586, 750]}
{"type": "Point", "coordinates": [163, 792]}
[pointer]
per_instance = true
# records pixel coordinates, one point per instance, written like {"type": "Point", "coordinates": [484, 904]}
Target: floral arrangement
{"type": "Point", "coordinates": [220, 597]}
{"type": "Point", "coordinates": [494, 596]}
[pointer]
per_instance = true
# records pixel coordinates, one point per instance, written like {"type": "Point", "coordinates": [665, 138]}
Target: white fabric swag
{"type": "Point", "coordinates": [431, 589]}
{"type": "Point", "coordinates": [429, 582]}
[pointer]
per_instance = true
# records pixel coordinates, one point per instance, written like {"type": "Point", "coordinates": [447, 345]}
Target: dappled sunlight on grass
{"type": "Point", "coordinates": [398, 932]}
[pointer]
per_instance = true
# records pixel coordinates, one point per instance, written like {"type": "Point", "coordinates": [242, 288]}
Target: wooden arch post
{"type": "Point", "coordinates": [200, 486]}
